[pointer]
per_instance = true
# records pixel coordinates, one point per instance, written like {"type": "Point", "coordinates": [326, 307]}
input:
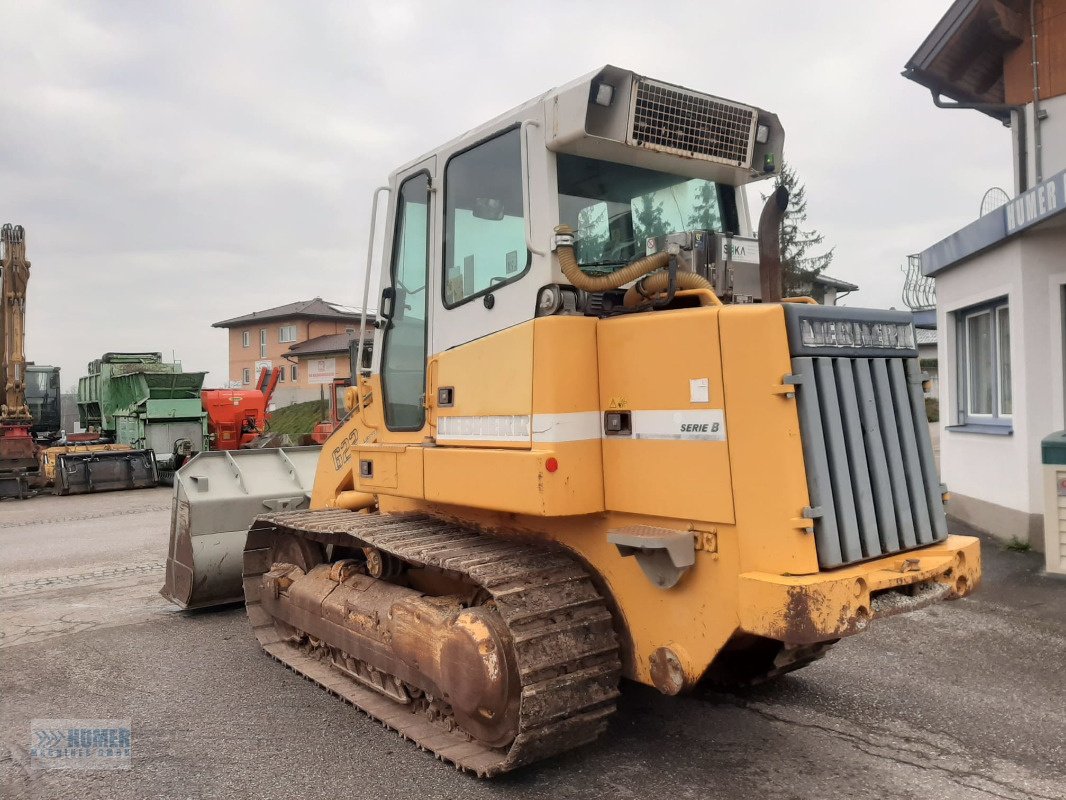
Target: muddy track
{"type": "Point", "coordinates": [565, 646]}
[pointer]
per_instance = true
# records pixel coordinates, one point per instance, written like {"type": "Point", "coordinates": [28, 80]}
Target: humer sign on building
{"type": "Point", "coordinates": [1039, 204]}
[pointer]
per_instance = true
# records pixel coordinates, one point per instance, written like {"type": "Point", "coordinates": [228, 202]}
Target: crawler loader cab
{"type": "Point", "coordinates": [595, 442]}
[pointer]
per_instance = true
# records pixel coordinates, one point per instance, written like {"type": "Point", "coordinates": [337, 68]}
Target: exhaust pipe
{"type": "Point", "coordinates": [770, 274]}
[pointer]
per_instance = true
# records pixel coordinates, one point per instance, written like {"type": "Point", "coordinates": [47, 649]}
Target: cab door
{"type": "Point", "coordinates": [391, 462]}
{"type": "Point", "coordinates": [404, 306]}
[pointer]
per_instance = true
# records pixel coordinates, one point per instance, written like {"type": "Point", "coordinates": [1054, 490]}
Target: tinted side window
{"type": "Point", "coordinates": [485, 235]}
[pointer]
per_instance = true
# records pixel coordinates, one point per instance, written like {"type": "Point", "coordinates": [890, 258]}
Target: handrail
{"type": "Point", "coordinates": [808, 300]}
{"type": "Point", "coordinates": [356, 369]}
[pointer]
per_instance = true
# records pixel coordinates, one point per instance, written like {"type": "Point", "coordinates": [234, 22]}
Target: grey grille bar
{"type": "Point", "coordinates": [933, 492]}
{"type": "Point", "coordinates": [839, 470]}
{"type": "Point", "coordinates": [880, 483]}
{"type": "Point", "coordinates": [819, 484]}
{"type": "Point", "coordinates": [869, 458]}
{"type": "Point", "coordinates": [856, 451]}
{"type": "Point", "coordinates": [890, 435]}
{"type": "Point", "coordinates": [913, 472]}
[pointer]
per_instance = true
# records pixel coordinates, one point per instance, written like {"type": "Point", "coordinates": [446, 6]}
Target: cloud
{"type": "Point", "coordinates": [177, 164]}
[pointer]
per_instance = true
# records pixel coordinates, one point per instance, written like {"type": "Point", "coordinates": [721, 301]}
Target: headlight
{"type": "Point", "coordinates": [856, 334]}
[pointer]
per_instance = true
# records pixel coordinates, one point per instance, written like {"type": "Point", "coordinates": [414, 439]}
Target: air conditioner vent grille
{"type": "Point", "coordinates": [673, 120]}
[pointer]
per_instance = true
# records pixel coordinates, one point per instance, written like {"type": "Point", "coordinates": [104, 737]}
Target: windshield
{"type": "Point", "coordinates": [615, 208]}
{"type": "Point", "coordinates": [40, 383]}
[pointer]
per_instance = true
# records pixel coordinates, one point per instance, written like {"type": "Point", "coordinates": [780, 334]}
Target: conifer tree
{"type": "Point", "coordinates": [799, 264]}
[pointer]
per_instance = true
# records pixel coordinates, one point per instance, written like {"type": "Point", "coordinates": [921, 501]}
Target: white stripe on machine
{"type": "Point", "coordinates": [707, 425]}
{"type": "Point", "coordinates": [498, 428]}
{"type": "Point", "coordinates": [577, 426]}
{"type": "Point", "coordinates": [572, 427]}
{"type": "Point", "coordinates": [684, 424]}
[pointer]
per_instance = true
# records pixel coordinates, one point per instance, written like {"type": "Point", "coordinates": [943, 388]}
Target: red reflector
{"type": "Point", "coordinates": [551, 465]}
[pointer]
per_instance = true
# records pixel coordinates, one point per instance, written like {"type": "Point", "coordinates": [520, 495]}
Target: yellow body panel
{"type": "Point", "coordinates": [492, 377]}
{"type": "Point", "coordinates": [642, 371]}
{"type": "Point", "coordinates": [501, 479]}
{"type": "Point", "coordinates": [334, 472]}
{"type": "Point", "coordinates": [742, 494]}
{"type": "Point", "coordinates": [565, 365]}
{"type": "Point", "coordinates": [765, 454]}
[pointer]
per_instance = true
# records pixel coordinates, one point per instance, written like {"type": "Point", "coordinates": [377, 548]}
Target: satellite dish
{"type": "Point", "coordinates": [993, 199]}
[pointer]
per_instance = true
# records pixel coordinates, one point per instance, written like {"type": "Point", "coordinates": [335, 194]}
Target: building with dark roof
{"type": "Point", "coordinates": [282, 336]}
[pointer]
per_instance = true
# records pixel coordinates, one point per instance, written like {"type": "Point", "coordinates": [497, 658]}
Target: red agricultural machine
{"type": "Point", "coordinates": [236, 417]}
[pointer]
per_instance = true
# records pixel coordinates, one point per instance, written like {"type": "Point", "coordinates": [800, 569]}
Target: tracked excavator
{"type": "Point", "coordinates": [595, 442]}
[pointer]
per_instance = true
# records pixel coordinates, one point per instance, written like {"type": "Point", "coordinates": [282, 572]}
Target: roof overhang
{"type": "Point", "coordinates": [834, 283]}
{"type": "Point", "coordinates": [962, 58]}
{"type": "Point", "coordinates": [1042, 206]}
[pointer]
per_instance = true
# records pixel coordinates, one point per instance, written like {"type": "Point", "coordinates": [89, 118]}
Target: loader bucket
{"type": "Point", "coordinates": [217, 494]}
{"type": "Point", "coordinates": [101, 469]}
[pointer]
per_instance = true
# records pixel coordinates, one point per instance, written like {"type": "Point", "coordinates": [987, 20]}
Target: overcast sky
{"type": "Point", "coordinates": [176, 164]}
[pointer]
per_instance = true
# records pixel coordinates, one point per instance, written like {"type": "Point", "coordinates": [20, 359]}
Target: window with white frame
{"type": "Point", "coordinates": [262, 343]}
{"type": "Point", "coordinates": [287, 333]}
{"type": "Point", "coordinates": [246, 375]}
{"type": "Point", "coordinates": [245, 339]}
{"type": "Point", "coordinates": [295, 373]}
{"type": "Point", "coordinates": [984, 364]}
{"type": "Point", "coordinates": [281, 375]}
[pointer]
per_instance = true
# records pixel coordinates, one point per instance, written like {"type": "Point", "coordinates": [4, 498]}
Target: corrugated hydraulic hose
{"type": "Point", "coordinates": [630, 272]}
{"type": "Point", "coordinates": [659, 282]}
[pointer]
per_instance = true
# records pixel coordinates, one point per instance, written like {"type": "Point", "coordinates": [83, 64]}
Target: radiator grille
{"type": "Point", "coordinates": [869, 457]}
{"type": "Point", "coordinates": [677, 121]}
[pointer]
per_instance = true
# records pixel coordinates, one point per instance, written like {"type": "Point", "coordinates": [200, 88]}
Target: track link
{"type": "Point", "coordinates": [565, 646]}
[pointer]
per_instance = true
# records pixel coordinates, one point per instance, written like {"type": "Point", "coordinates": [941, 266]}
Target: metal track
{"type": "Point", "coordinates": [564, 642]}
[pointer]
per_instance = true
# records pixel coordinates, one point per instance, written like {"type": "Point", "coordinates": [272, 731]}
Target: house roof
{"type": "Point", "coordinates": [322, 345]}
{"type": "Point", "coordinates": [316, 308]}
{"type": "Point", "coordinates": [962, 57]}
{"type": "Point", "coordinates": [835, 283]}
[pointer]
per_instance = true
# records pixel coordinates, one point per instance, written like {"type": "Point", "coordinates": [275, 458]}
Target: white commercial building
{"type": "Point", "coordinates": [1001, 280]}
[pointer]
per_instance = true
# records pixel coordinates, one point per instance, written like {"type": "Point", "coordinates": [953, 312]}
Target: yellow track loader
{"type": "Point", "coordinates": [595, 442]}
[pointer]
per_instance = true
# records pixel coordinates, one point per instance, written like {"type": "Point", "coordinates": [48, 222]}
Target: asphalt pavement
{"type": "Point", "coordinates": [960, 700]}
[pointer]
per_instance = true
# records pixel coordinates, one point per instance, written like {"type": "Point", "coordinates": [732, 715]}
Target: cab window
{"type": "Point", "coordinates": [485, 234]}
